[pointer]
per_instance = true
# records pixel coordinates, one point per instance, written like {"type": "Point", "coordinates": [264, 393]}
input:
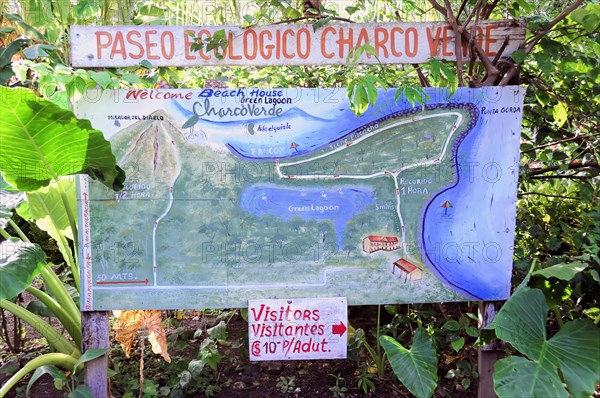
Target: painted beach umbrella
{"type": "Point", "coordinates": [446, 205]}
{"type": "Point", "coordinates": [294, 146]}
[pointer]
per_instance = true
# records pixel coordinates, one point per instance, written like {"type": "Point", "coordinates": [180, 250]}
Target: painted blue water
{"type": "Point", "coordinates": [338, 205]}
{"type": "Point", "coordinates": [307, 134]}
{"type": "Point", "coordinates": [470, 245]}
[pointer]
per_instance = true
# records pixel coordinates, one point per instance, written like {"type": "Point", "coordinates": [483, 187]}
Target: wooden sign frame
{"type": "Point", "coordinates": [394, 43]}
{"type": "Point", "coordinates": [272, 45]}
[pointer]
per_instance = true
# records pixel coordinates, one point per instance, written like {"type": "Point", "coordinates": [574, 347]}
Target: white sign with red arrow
{"type": "Point", "coordinates": [284, 329]}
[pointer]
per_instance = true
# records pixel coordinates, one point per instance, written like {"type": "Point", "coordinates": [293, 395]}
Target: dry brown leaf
{"type": "Point", "coordinates": [130, 322]}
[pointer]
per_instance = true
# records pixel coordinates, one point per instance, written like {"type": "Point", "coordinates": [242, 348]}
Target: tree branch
{"type": "Point", "coordinates": [548, 195]}
{"type": "Point", "coordinates": [538, 36]}
{"type": "Point", "coordinates": [438, 7]}
{"type": "Point", "coordinates": [457, 42]}
{"type": "Point", "coordinates": [561, 176]}
{"type": "Point", "coordinates": [315, 17]}
{"type": "Point", "coordinates": [309, 5]}
{"type": "Point", "coordinates": [576, 164]}
{"type": "Point", "coordinates": [487, 9]}
{"type": "Point", "coordinates": [538, 83]}
{"type": "Point", "coordinates": [501, 50]}
{"type": "Point", "coordinates": [422, 78]}
{"type": "Point", "coordinates": [578, 137]}
{"type": "Point", "coordinates": [475, 81]}
{"type": "Point", "coordinates": [474, 12]}
{"type": "Point", "coordinates": [461, 9]}
{"type": "Point", "coordinates": [491, 70]}
{"type": "Point", "coordinates": [508, 76]}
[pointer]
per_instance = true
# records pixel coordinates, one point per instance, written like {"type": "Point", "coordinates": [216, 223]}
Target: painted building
{"type": "Point", "coordinates": [373, 243]}
{"type": "Point", "coordinates": [407, 270]}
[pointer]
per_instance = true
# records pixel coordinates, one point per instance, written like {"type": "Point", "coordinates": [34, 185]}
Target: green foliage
{"type": "Point", "coordinates": [42, 142]}
{"type": "Point", "coordinates": [378, 358]}
{"type": "Point", "coordinates": [442, 75]}
{"type": "Point", "coordinates": [339, 390]}
{"type": "Point", "coordinates": [416, 368]}
{"type": "Point", "coordinates": [68, 380]}
{"type": "Point", "coordinates": [465, 372]}
{"type": "Point", "coordinates": [6, 53]}
{"type": "Point", "coordinates": [365, 382]}
{"type": "Point", "coordinates": [362, 93]}
{"type": "Point", "coordinates": [286, 385]}
{"type": "Point", "coordinates": [588, 17]}
{"type": "Point", "coordinates": [562, 271]}
{"type": "Point", "coordinates": [20, 262]}
{"type": "Point", "coordinates": [574, 350]}
{"type": "Point", "coordinates": [46, 208]}
{"type": "Point", "coordinates": [184, 376]}
{"type": "Point", "coordinates": [217, 42]}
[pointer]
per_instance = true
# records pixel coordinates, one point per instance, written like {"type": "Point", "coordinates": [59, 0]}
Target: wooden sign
{"type": "Point", "coordinates": [394, 43]}
{"type": "Point", "coordinates": [297, 329]}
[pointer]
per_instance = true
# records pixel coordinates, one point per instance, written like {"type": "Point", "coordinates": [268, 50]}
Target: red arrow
{"type": "Point", "coordinates": [145, 281]}
{"type": "Point", "coordinates": [339, 329]}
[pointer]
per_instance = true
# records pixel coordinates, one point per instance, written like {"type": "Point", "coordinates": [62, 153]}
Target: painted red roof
{"type": "Point", "coordinates": [375, 238]}
{"type": "Point", "coordinates": [405, 265]}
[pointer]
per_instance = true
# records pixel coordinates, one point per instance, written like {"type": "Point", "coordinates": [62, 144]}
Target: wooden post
{"type": "Point", "coordinates": [488, 354]}
{"type": "Point", "coordinates": [94, 326]}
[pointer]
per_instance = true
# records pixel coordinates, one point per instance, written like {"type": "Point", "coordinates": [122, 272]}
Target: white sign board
{"type": "Point", "coordinates": [285, 329]}
{"type": "Point", "coordinates": [332, 44]}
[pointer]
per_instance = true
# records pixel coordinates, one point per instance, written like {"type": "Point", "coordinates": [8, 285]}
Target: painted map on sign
{"type": "Point", "coordinates": [245, 194]}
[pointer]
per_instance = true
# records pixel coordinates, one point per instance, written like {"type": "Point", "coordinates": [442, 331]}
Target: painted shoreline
{"type": "Point", "coordinates": [369, 125]}
{"type": "Point", "coordinates": [474, 118]}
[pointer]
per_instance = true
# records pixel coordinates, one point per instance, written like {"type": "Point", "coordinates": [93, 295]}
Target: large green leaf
{"type": "Point", "coordinates": [518, 377]}
{"type": "Point", "coordinates": [47, 209]}
{"type": "Point", "coordinates": [588, 17]}
{"type": "Point", "coordinates": [89, 355]}
{"type": "Point", "coordinates": [82, 391]}
{"type": "Point", "coordinates": [20, 262]}
{"type": "Point", "coordinates": [6, 53]}
{"type": "Point", "coordinates": [416, 368]}
{"type": "Point", "coordinates": [522, 321]}
{"type": "Point", "coordinates": [41, 141]}
{"type": "Point", "coordinates": [563, 271]}
{"type": "Point", "coordinates": [575, 350]}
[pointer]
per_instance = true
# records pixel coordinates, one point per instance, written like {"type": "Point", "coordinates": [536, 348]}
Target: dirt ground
{"type": "Point", "coordinates": [318, 378]}
{"type": "Point", "coordinates": [236, 376]}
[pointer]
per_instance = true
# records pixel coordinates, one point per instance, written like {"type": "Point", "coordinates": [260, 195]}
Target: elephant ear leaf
{"type": "Point", "coordinates": [41, 141]}
{"type": "Point", "coordinates": [416, 368]}
{"type": "Point", "coordinates": [20, 262]}
{"type": "Point", "coordinates": [574, 351]}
